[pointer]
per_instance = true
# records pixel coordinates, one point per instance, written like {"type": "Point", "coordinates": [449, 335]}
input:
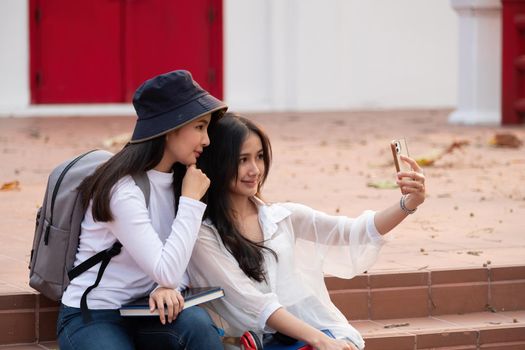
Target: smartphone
{"type": "Point", "coordinates": [399, 147]}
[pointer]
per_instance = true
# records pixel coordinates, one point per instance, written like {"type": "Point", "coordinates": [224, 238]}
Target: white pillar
{"type": "Point", "coordinates": [479, 79]}
{"type": "Point", "coordinates": [14, 54]}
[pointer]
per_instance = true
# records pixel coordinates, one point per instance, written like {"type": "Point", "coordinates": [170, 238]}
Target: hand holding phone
{"type": "Point", "coordinates": [412, 184]}
{"type": "Point", "coordinates": [399, 148]}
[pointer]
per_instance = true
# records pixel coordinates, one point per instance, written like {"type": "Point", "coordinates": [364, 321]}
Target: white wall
{"type": "Point", "coordinates": [340, 54]}
{"type": "Point", "coordinates": [304, 54]}
{"type": "Point", "coordinates": [14, 53]}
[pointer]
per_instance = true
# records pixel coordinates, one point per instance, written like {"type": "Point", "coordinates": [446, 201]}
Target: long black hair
{"type": "Point", "coordinates": [131, 160]}
{"type": "Point", "coordinates": [220, 162]}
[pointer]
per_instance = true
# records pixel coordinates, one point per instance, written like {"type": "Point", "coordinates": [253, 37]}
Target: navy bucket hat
{"type": "Point", "coordinates": [169, 101]}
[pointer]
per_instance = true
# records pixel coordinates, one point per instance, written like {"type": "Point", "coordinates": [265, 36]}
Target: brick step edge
{"type": "Point", "coordinates": [414, 335]}
{"type": "Point", "coordinates": [502, 337]}
{"type": "Point", "coordinates": [31, 317]}
{"type": "Point", "coordinates": [429, 293]}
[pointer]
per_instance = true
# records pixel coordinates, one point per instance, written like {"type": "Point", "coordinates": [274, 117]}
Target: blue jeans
{"type": "Point", "coordinates": [193, 329]}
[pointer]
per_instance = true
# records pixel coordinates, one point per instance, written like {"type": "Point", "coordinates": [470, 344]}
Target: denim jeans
{"type": "Point", "coordinates": [193, 329]}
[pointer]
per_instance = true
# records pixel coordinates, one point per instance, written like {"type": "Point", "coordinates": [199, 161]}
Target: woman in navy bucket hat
{"type": "Point", "coordinates": [170, 101]}
{"type": "Point", "coordinates": [174, 114]}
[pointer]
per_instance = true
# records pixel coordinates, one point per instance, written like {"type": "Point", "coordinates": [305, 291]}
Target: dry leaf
{"type": "Point", "coordinates": [474, 252]}
{"type": "Point", "coordinates": [429, 160]}
{"type": "Point", "coordinates": [382, 184]}
{"type": "Point", "coordinates": [395, 325]}
{"type": "Point", "coordinates": [117, 141]}
{"type": "Point", "coordinates": [490, 308]}
{"type": "Point", "coordinates": [11, 186]}
{"type": "Point", "coordinates": [508, 140]}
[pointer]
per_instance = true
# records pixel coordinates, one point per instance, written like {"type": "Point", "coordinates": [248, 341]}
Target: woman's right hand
{"type": "Point", "coordinates": [195, 183]}
{"type": "Point", "coordinates": [169, 299]}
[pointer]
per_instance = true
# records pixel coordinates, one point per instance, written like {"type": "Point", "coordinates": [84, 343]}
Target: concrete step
{"type": "Point", "coordinates": [471, 308]}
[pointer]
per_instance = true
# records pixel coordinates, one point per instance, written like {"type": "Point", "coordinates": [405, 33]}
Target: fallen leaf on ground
{"type": "Point", "coordinates": [429, 160]}
{"type": "Point", "coordinates": [395, 325]}
{"type": "Point", "coordinates": [474, 252]}
{"type": "Point", "coordinates": [34, 133]}
{"type": "Point", "coordinates": [382, 184]}
{"type": "Point", "coordinates": [508, 140]}
{"type": "Point", "coordinates": [476, 232]}
{"type": "Point", "coordinates": [11, 186]}
{"type": "Point", "coordinates": [116, 141]}
{"type": "Point", "coordinates": [490, 308]}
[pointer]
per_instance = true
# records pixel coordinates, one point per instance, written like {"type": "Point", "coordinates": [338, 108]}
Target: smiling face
{"type": "Point", "coordinates": [251, 167]}
{"type": "Point", "coordinates": [184, 145]}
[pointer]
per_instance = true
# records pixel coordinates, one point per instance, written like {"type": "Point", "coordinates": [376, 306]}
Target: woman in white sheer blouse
{"type": "Point", "coordinates": [271, 258]}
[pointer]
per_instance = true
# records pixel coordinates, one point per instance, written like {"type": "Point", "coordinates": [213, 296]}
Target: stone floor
{"type": "Point", "coordinates": [330, 161]}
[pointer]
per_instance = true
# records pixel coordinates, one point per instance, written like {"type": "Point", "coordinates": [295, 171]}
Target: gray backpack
{"type": "Point", "coordinates": [58, 228]}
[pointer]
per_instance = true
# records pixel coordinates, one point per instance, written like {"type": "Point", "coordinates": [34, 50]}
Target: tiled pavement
{"type": "Point", "coordinates": [471, 220]}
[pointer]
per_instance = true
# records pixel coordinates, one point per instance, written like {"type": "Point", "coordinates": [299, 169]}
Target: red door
{"type": "Point", "coordinates": [182, 36]}
{"type": "Point", "coordinates": [513, 62]}
{"type": "Point", "coordinates": [101, 50]}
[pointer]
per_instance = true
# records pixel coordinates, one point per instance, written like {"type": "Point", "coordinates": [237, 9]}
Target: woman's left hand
{"type": "Point", "coordinates": [168, 298]}
{"type": "Point", "coordinates": [412, 184]}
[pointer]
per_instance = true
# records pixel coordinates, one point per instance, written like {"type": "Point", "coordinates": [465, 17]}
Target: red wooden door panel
{"type": "Point", "coordinates": [513, 62]}
{"type": "Point", "coordinates": [77, 56]}
{"type": "Point", "coordinates": [101, 50]}
{"type": "Point", "coordinates": [164, 35]}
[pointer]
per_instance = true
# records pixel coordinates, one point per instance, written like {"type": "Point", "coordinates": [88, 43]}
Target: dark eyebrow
{"type": "Point", "coordinates": [247, 154]}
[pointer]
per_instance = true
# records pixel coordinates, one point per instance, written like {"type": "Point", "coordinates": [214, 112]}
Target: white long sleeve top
{"type": "Point", "coordinates": [309, 244]}
{"type": "Point", "coordinates": [156, 245]}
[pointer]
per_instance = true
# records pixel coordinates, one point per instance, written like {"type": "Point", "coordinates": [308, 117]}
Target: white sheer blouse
{"type": "Point", "coordinates": [308, 244]}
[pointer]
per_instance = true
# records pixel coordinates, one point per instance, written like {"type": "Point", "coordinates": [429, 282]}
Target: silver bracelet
{"type": "Point", "coordinates": [403, 206]}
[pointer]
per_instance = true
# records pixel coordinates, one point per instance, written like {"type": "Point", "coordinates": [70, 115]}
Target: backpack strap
{"type": "Point", "coordinates": [55, 192]}
{"type": "Point", "coordinates": [105, 256]}
{"type": "Point", "coordinates": [142, 181]}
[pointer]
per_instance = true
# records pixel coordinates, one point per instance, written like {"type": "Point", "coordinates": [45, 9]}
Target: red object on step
{"type": "Point", "coordinates": [250, 341]}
